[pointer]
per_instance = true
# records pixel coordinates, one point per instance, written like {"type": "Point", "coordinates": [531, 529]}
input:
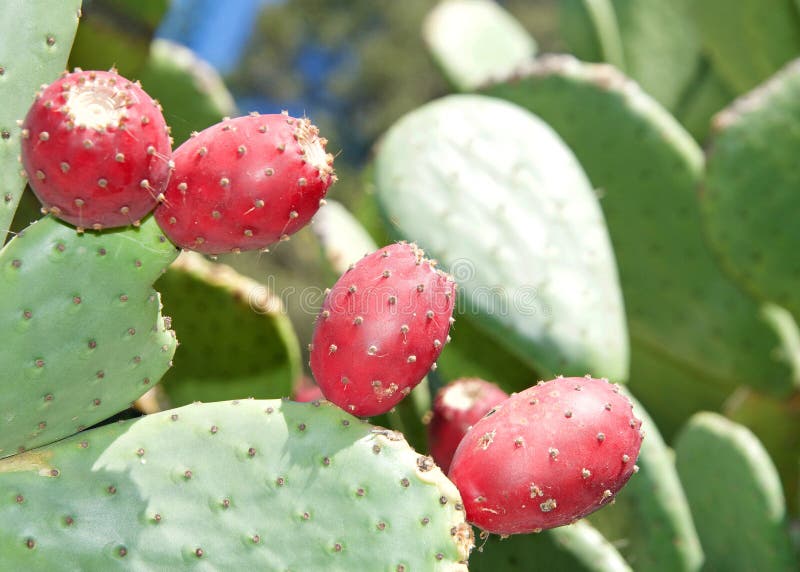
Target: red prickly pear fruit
{"type": "Point", "coordinates": [305, 391]}
{"type": "Point", "coordinates": [381, 328]}
{"type": "Point", "coordinates": [245, 183]}
{"type": "Point", "coordinates": [96, 149]}
{"type": "Point", "coordinates": [547, 456]}
{"type": "Point", "coordinates": [457, 407]}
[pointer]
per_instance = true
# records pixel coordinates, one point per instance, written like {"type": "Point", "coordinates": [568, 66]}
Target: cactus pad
{"type": "Point", "coordinates": [748, 40]}
{"type": "Point", "coordinates": [244, 485]}
{"type": "Point", "coordinates": [540, 274]}
{"type": "Point", "coordinates": [35, 39]}
{"type": "Point", "coordinates": [236, 340]}
{"type": "Point", "coordinates": [752, 190]}
{"type": "Point", "coordinates": [653, 42]}
{"type": "Point", "coordinates": [648, 170]}
{"type": "Point", "coordinates": [344, 241]}
{"type": "Point", "coordinates": [735, 496]}
{"type": "Point", "coordinates": [578, 547]}
{"type": "Point", "coordinates": [190, 90]}
{"type": "Point", "coordinates": [476, 40]}
{"type": "Point", "coordinates": [82, 329]}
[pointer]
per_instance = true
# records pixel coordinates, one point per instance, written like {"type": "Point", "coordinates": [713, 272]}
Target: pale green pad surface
{"type": "Point", "coordinates": [492, 192]}
{"type": "Point", "coordinates": [678, 300]}
{"type": "Point", "coordinates": [735, 496]}
{"type": "Point", "coordinates": [250, 485]}
{"type": "Point", "coordinates": [752, 190]}
{"type": "Point", "coordinates": [35, 39]}
{"type": "Point", "coordinates": [474, 41]}
{"type": "Point", "coordinates": [82, 329]}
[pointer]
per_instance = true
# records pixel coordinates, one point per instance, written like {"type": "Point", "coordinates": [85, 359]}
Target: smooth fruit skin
{"type": "Point", "coordinates": [245, 183]}
{"type": "Point", "coordinates": [96, 150]}
{"type": "Point", "coordinates": [381, 328]}
{"type": "Point", "coordinates": [547, 456]}
{"type": "Point", "coordinates": [457, 407]}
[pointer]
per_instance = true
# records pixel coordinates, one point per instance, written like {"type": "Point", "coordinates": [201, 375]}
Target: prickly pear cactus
{"type": "Point", "coordinates": [235, 485]}
{"type": "Point", "coordinates": [35, 39]}
{"type": "Point", "coordinates": [735, 496]}
{"type": "Point", "coordinates": [651, 41]}
{"type": "Point", "coordinates": [540, 274]}
{"type": "Point", "coordinates": [748, 40]}
{"type": "Point", "coordinates": [752, 189]}
{"type": "Point", "coordinates": [82, 329]}
{"type": "Point", "coordinates": [236, 340]}
{"type": "Point", "coordinates": [648, 169]}
{"type": "Point", "coordinates": [475, 40]}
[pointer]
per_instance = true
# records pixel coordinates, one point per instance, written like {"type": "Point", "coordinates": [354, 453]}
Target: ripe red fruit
{"type": "Point", "coordinates": [96, 149]}
{"type": "Point", "coordinates": [457, 407]}
{"type": "Point", "coordinates": [381, 328]}
{"type": "Point", "coordinates": [245, 183]}
{"type": "Point", "coordinates": [547, 456]}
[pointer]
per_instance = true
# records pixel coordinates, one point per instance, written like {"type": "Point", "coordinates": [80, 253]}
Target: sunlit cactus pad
{"type": "Point", "coordinates": [83, 334]}
{"type": "Point", "coordinates": [241, 485]}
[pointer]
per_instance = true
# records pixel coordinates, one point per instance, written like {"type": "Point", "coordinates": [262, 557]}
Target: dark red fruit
{"type": "Point", "coordinates": [457, 407]}
{"type": "Point", "coordinates": [547, 456]}
{"type": "Point", "coordinates": [96, 149]}
{"type": "Point", "coordinates": [381, 328]}
{"type": "Point", "coordinates": [245, 183]}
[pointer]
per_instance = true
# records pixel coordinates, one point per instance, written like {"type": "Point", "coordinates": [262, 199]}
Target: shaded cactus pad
{"type": "Point", "coordinates": [272, 485]}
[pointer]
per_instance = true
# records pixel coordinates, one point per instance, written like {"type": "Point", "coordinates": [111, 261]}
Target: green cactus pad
{"type": "Point", "coordinates": [776, 423]}
{"type": "Point", "coordinates": [35, 39]}
{"type": "Point", "coordinates": [511, 215]}
{"type": "Point", "coordinates": [591, 30]}
{"type": "Point", "coordinates": [752, 189]}
{"type": "Point", "coordinates": [249, 485]}
{"type": "Point", "coordinates": [707, 95]}
{"type": "Point", "coordinates": [236, 340]}
{"type": "Point", "coordinates": [474, 41]}
{"type": "Point", "coordinates": [652, 41]}
{"type": "Point", "coordinates": [748, 40]}
{"type": "Point", "coordinates": [650, 520]}
{"type": "Point", "coordinates": [647, 168]}
{"type": "Point", "coordinates": [735, 496]}
{"type": "Point", "coordinates": [654, 375]}
{"type": "Point", "coordinates": [82, 329]}
{"type": "Point", "coordinates": [342, 238]}
{"type": "Point", "coordinates": [189, 89]}
{"type": "Point", "coordinates": [118, 33]}
{"type": "Point", "coordinates": [574, 548]}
